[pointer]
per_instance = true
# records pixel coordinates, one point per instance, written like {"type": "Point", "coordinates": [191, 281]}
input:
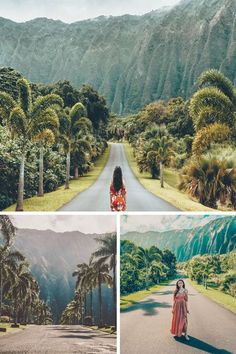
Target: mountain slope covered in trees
{"type": "Point", "coordinates": [131, 60]}
{"type": "Point", "coordinates": [218, 236]}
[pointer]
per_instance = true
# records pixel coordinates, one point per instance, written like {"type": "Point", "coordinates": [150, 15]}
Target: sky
{"type": "Point", "coordinates": [98, 224]}
{"type": "Point", "coordinates": [75, 10]}
{"type": "Point", "coordinates": [163, 222]}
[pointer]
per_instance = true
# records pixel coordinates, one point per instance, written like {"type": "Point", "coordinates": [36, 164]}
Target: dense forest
{"type": "Point", "coordinates": [20, 297]}
{"type": "Point", "coordinates": [213, 271]}
{"type": "Point", "coordinates": [48, 133]}
{"type": "Point", "coordinates": [141, 268]}
{"type": "Point", "coordinates": [193, 140]}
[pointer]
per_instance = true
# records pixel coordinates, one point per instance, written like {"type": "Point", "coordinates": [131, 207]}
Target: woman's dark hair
{"type": "Point", "coordinates": [177, 287]}
{"type": "Point", "coordinates": [117, 179]}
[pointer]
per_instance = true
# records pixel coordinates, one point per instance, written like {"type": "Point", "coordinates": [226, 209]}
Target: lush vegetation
{"type": "Point", "coordinates": [20, 300]}
{"type": "Point", "coordinates": [142, 268]}
{"type": "Point", "coordinates": [213, 271]}
{"type": "Point", "coordinates": [99, 272]}
{"type": "Point", "coordinates": [48, 133]}
{"type": "Point", "coordinates": [193, 139]}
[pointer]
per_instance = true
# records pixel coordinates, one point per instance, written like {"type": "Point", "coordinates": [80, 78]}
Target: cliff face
{"type": "Point", "coordinates": [53, 258]}
{"type": "Point", "coordinates": [131, 60]}
{"type": "Point", "coordinates": [218, 236]}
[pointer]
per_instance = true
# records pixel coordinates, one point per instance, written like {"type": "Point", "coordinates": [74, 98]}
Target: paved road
{"type": "Point", "coordinates": [145, 328]}
{"type": "Point", "coordinates": [58, 340]}
{"type": "Point", "coordinates": [96, 198]}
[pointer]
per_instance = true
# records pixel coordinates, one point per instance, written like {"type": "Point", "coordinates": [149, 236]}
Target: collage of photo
{"type": "Point", "coordinates": [118, 177]}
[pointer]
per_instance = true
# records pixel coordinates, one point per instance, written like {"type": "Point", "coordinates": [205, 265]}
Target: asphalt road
{"type": "Point", "coordinates": [58, 340]}
{"type": "Point", "coordinates": [96, 198]}
{"type": "Point", "coordinates": [145, 328]}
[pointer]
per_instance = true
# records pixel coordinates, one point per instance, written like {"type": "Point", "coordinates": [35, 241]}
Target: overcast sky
{"type": "Point", "coordinates": [74, 10]}
{"type": "Point", "coordinates": [163, 222]}
{"type": "Point", "coordinates": [60, 223]}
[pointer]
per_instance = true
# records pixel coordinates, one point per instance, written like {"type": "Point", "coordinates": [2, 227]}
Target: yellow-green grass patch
{"type": "Point", "coordinates": [9, 329]}
{"type": "Point", "coordinates": [170, 193]}
{"type": "Point", "coordinates": [55, 200]}
{"type": "Point", "coordinates": [127, 301]}
{"type": "Point", "coordinates": [218, 296]}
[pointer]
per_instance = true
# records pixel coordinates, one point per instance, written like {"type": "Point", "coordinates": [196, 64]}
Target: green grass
{"type": "Point", "coordinates": [108, 330]}
{"type": "Point", "coordinates": [170, 193]}
{"type": "Point", "coordinates": [9, 329]}
{"type": "Point", "coordinates": [54, 200]}
{"type": "Point", "coordinates": [129, 300]}
{"type": "Point", "coordinates": [218, 296]}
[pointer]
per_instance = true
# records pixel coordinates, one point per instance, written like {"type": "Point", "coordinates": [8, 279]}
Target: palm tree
{"type": "Point", "coordinates": [83, 281]}
{"type": "Point", "coordinates": [73, 126]}
{"type": "Point", "coordinates": [101, 276]}
{"type": "Point", "coordinates": [210, 180]}
{"type": "Point", "coordinates": [27, 121]}
{"type": "Point", "coordinates": [107, 254]}
{"type": "Point", "coordinates": [82, 151]}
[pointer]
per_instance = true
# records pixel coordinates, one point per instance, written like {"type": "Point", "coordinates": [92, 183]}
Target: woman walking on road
{"type": "Point", "coordinates": [180, 311]}
{"type": "Point", "coordinates": [117, 191]}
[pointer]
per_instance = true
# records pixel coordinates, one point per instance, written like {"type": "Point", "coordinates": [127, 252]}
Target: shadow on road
{"type": "Point", "coordinates": [199, 344]}
{"type": "Point", "coordinates": [149, 307]}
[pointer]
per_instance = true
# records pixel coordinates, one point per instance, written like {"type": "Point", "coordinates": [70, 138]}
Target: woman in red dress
{"type": "Point", "coordinates": [180, 310]}
{"type": "Point", "coordinates": [117, 191]}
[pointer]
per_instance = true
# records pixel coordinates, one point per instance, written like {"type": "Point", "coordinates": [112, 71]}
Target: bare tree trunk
{"type": "Point", "coordinates": [20, 197]}
{"type": "Point", "coordinates": [100, 302]}
{"type": "Point", "coordinates": [67, 186]}
{"type": "Point", "coordinates": [41, 191]}
{"type": "Point", "coordinates": [91, 304]}
{"type": "Point", "coordinates": [76, 172]}
{"type": "Point", "coordinates": [161, 175]}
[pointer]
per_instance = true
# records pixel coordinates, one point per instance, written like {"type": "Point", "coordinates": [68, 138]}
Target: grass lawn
{"type": "Point", "coordinates": [109, 330]}
{"type": "Point", "coordinates": [9, 329]}
{"type": "Point", "coordinates": [218, 296]}
{"type": "Point", "coordinates": [170, 193]}
{"type": "Point", "coordinates": [128, 300]}
{"type": "Point", "coordinates": [54, 200]}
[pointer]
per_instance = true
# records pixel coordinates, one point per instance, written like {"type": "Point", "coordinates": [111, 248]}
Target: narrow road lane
{"type": "Point", "coordinates": [145, 328]}
{"type": "Point", "coordinates": [58, 340]}
{"type": "Point", "coordinates": [96, 198]}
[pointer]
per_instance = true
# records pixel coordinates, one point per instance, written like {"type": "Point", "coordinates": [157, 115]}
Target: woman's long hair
{"type": "Point", "coordinates": [177, 287]}
{"type": "Point", "coordinates": [117, 179]}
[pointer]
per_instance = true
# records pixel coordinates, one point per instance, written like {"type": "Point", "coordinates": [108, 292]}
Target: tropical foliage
{"type": "Point", "coordinates": [216, 271]}
{"type": "Point", "coordinates": [142, 268]}
{"type": "Point", "coordinates": [90, 280]}
{"type": "Point", "coordinates": [47, 134]}
{"type": "Point", "coordinates": [19, 291]}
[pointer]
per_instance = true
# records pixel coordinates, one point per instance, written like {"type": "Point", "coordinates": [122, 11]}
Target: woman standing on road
{"type": "Point", "coordinates": [180, 310]}
{"type": "Point", "coordinates": [117, 191]}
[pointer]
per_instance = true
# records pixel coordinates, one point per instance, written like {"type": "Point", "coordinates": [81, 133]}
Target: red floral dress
{"type": "Point", "coordinates": [179, 320]}
{"type": "Point", "coordinates": [118, 202]}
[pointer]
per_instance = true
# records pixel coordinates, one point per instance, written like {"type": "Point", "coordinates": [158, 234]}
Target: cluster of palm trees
{"type": "Point", "coordinates": [19, 291]}
{"type": "Point", "coordinates": [42, 123]}
{"type": "Point", "coordinates": [92, 276]}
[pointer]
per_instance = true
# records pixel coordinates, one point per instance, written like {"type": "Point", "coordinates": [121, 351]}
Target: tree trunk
{"type": "Point", "coordinates": [91, 304]}
{"type": "Point", "coordinates": [76, 172]}
{"type": "Point", "coordinates": [100, 302]}
{"type": "Point", "coordinates": [67, 186]}
{"type": "Point", "coordinates": [85, 303]}
{"type": "Point", "coordinates": [41, 191]}
{"type": "Point", "coordinates": [20, 196]}
{"type": "Point", "coordinates": [161, 175]}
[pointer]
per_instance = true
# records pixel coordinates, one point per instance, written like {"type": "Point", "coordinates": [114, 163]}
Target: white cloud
{"type": "Point", "coordinates": [59, 223]}
{"type": "Point", "coordinates": [74, 10]}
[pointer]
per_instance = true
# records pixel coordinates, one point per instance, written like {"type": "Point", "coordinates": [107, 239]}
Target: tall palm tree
{"type": "Point", "coordinates": [74, 126]}
{"type": "Point", "coordinates": [27, 121]}
{"type": "Point", "coordinates": [107, 254]}
{"type": "Point", "coordinates": [83, 274]}
{"type": "Point", "coordinates": [145, 257]}
{"type": "Point", "coordinates": [101, 276]}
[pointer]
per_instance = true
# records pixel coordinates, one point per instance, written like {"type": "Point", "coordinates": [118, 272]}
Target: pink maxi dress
{"type": "Point", "coordinates": [179, 319]}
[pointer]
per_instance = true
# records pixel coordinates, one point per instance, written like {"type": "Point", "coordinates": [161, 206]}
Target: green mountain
{"type": "Point", "coordinates": [53, 257]}
{"type": "Point", "coordinates": [218, 236]}
{"type": "Point", "coordinates": [131, 60]}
